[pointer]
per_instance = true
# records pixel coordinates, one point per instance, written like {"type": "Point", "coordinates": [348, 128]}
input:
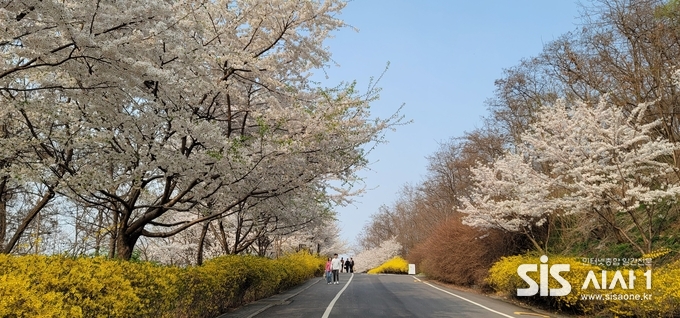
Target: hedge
{"type": "Point", "coordinates": [664, 295]}
{"type": "Point", "coordinates": [61, 286]}
{"type": "Point", "coordinates": [396, 265]}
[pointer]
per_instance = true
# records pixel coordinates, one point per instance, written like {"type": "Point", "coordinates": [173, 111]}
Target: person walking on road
{"type": "Point", "coordinates": [336, 265]}
{"type": "Point", "coordinates": [351, 265]}
{"type": "Point", "coordinates": [342, 263]}
{"type": "Point", "coordinates": [347, 265]}
{"type": "Point", "coordinates": [329, 271]}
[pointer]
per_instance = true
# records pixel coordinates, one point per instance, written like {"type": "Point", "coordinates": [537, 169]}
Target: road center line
{"type": "Point", "coordinates": [463, 298]}
{"type": "Point", "coordinates": [330, 306]}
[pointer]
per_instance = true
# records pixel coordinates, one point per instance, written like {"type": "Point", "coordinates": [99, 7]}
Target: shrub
{"type": "Point", "coordinates": [230, 281]}
{"type": "Point", "coordinates": [299, 267]}
{"type": "Point", "coordinates": [503, 277]}
{"type": "Point", "coordinates": [156, 286]}
{"type": "Point", "coordinates": [61, 286]}
{"type": "Point", "coordinates": [53, 286]}
{"type": "Point", "coordinates": [459, 254]}
{"type": "Point", "coordinates": [372, 258]}
{"type": "Point", "coordinates": [665, 294]}
{"type": "Point", "coordinates": [665, 291]}
{"type": "Point", "coordinates": [396, 265]}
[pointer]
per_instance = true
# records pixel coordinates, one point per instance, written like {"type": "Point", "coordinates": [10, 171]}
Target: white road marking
{"type": "Point", "coordinates": [530, 314]}
{"type": "Point", "coordinates": [330, 306]}
{"type": "Point", "coordinates": [463, 298]}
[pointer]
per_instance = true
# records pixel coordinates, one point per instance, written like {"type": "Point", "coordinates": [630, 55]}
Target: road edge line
{"type": "Point", "coordinates": [261, 310]}
{"type": "Point", "coordinates": [470, 301]}
{"type": "Point", "coordinates": [330, 306]}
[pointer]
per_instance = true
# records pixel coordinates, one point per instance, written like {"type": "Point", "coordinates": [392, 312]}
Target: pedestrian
{"type": "Point", "coordinates": [347, 265]}
{"type": "Point", "coordinates": [335, 267]}
{"type": "Point", "coordinates": [351, 265]}
{"type": "Point", "coordinates": [329, 271]}
{"type": "Point", "coordinates": [342, 263]}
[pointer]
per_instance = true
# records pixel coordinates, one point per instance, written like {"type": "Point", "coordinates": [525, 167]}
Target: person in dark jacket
{"type": "Point", "coordinates": [347, 265]}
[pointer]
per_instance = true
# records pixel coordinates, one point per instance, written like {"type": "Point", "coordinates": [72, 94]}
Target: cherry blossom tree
{"type": "Point", "coordinates": [321, 237]}
{"type": "Point", "coordinates": [262, 229]}
{"type": "Point", "coordinates": [591, 160]}
{"type": "Point", "coordinates": [510, 195]}
{"type": "Point", "coordinates": [187, 106]}
{"type": "Point", "coordinates": [372, 258]}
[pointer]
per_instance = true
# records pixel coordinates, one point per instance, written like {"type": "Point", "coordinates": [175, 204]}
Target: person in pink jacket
{"type": "Point", "coordinates": [329, 271]}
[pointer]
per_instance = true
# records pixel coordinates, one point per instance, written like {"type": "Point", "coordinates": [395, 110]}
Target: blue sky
{"type": "Point", "coordinates": [444, 57]}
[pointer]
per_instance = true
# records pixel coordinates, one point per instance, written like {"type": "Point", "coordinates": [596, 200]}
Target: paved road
{"type": "Point", "coordinates": [363, 295]}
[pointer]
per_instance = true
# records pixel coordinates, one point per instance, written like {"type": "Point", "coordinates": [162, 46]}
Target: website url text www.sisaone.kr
{"type": "Point", "coordinates": [616, 296]}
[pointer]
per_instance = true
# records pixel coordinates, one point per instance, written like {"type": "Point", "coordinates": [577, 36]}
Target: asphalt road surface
{"type": "Point", "coordinates": [363, 295]}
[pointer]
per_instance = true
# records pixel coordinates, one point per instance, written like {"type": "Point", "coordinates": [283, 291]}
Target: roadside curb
{"type": "Point", "coordinates": [503, 299]}
{"type": "Point", "coordinates": [252, 309]}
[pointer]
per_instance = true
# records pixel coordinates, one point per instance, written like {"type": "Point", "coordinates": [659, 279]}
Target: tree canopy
{"type": "Point", "coordinates": [135, 111]}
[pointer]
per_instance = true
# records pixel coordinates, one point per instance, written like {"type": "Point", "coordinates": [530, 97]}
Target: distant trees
{"type": "Point", "coordinates": [154, 117]}
{"type": "Point", "coordinates": [578, 154]}
{"type": "Point", "coordinates": [426, 221]}
{"type": "Point", "coordinates": [374, 257]}
{"type": "Point", "coordinates": [420, 209]}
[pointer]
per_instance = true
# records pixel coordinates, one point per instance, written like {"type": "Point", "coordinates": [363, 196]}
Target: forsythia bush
{"type": "Point", "coordinates": [503, 277]}
{"type": "Point", "coordinates": [396, 265]}
{"type": "Point", "coordinates": [299, 267]}
{"type": "Point", "coordinates": [60, 286]}
{"type": "Point", "coordinates": [372, 258]}
{"type": "Point", "coordinates": [665, 294]}
{"type": "Point", "coordinates": [663, 301]}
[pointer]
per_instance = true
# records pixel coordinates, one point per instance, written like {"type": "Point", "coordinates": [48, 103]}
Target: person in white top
{"type": "Point", "coordinates": [335, 266]}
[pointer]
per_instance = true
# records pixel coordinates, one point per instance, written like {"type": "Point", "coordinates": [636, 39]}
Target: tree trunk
{"type": "Point", "coordinates": [3, 223]}
{"type": "Point", "coordinates": [223, 237]}
{"type": "Point", "coordinates": [3, 212]}
{"type": "Point", "coordinates": [37, 234]}
{"type": "Point", "coordinates": [201, 242]}
{"type": "Point", "coordinates": [114, 235]}
{"type": "Point", "coordinates": [533, 241]}
{"type": "Point", "coordinates": [125, 244]}
{"type": "Point", "coordinates": [98, 234]}
{"type": "Point", "coordinates": [27, 220]}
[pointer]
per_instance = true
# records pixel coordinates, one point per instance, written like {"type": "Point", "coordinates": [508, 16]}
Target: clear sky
{"type": "Point", "coordinates": [444, 57]}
